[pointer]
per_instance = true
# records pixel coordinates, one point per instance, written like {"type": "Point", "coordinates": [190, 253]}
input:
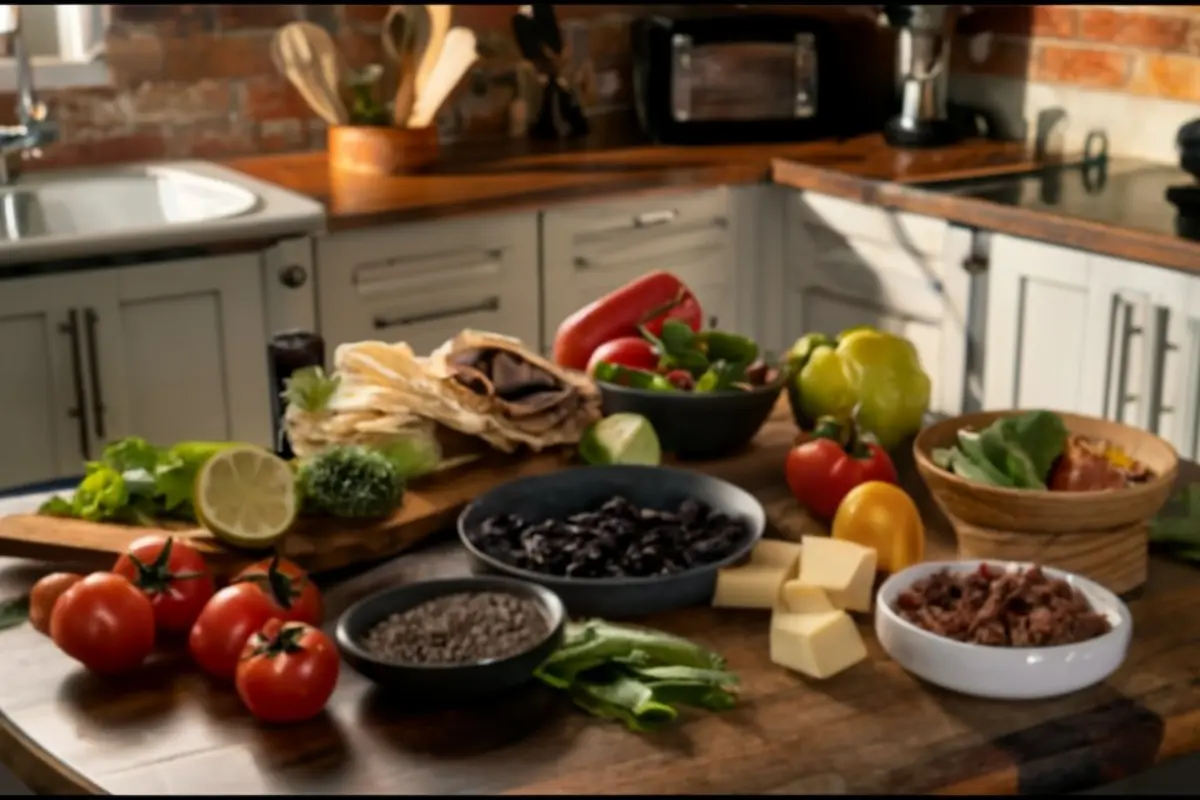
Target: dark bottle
{"type": "Point", "coordinates": [288, 352]}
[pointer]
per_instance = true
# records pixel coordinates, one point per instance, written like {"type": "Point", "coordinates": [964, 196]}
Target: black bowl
{"type": "Point", "coordinates": [446, 684]}
{"type": "Point", "coordinates": [696, 425]}
{"type": "Point", "coordinates": [570, 491]}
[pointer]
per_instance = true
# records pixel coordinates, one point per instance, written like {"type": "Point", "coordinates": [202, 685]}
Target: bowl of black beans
{"type": "Point", "coordinates": [616, 541]}
{"type": "Point", "coordinates": [452, 641]}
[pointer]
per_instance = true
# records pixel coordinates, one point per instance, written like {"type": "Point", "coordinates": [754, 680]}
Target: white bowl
{"type": "Point", "coordinates": [1001, 673]}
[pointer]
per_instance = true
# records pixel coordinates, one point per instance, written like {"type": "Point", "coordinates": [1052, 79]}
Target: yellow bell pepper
{"type": "Point", "coordinates": [883, 517]}
{"type": "Point", "coordinates": [869, 375]}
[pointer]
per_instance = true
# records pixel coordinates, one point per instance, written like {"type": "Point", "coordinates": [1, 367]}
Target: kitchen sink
{"type": "Point", "coordinates": [115, 203]}
{"type": "Point", "coordinates": [54, 215]}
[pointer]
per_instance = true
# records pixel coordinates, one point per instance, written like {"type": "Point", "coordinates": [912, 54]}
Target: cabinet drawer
{"type": "Point", "coordinates": [424, 283]}
{"type": "Point", "coordinates": [895, 229]}
{"type": "Point", "coordinates": [632, 235]}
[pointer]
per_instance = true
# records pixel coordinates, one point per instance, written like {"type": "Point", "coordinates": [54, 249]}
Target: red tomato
{"type": "Point", "coordinates": [173, 575]}
{"type": "Point", "coordinates": [287, 672]}
{"type": "Point", "coordinates": [105, 623]}
{"type": "Point", "coordinates": [44, 596]}
{"type": "Point", "coordinates": [255, 597]}
{"type": "Point", "coordinates": [820, 472]}
{"type": "Point", "coordinates": [297, 596]}
{"type": "Point", "coordinates": [628, 351]}
{"type": "Point", "coordinates": [650, 301]}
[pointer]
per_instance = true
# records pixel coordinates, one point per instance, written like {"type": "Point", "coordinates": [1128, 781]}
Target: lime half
{"type": "Point", "coordinates": [246, 497]}
{"type": "Point", "coordinates": [621, 439]}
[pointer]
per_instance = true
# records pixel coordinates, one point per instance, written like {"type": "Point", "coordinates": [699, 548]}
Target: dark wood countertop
{"type": "Point", "coordinates": [870, 730]}
{"type": "Point", "coordinates": [516, 176]}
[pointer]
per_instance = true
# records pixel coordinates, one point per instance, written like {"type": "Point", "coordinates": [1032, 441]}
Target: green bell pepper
{"type": "Point", "coordinates": [868, 375]}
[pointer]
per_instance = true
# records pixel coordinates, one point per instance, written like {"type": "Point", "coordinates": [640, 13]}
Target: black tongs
{"type": "Point", "coordinates": [536, 29]}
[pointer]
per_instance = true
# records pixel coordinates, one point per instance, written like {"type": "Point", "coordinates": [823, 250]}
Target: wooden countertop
{"type": "Point", "coordinates": [872, 729]}
{"type": "Point", "coordinates": [521, 175]}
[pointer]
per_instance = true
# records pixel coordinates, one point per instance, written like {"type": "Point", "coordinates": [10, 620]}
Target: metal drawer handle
{"type": "Point", "coordinates": [93, 319]}
{"type": "Point", "coordinates": [652, 218]}
{"type": "Point", "coordinates": [488, 305]}
{"type": "Point", "coordinates": [78, 412]}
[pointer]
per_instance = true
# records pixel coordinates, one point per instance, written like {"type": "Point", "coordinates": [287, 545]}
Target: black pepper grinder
{"type": "Point", "coordinates": [535, 27]}
{"type": "Point", "coordinates": [287, 353]}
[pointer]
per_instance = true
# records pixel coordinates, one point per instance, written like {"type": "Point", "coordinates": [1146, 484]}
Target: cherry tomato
{"type": "Point", "coordinates": [287, 672]}
{"type": "Point", "coordinates": [282, 591]}
{"type": "Point", "coordinates": [45, 594]}
{"type": "Point", "coordinates": [298, 597]}
{"type": "Point", "coordinates": [105, 623]}
{"type": "Point", "coordinates": [173, 575]}
{"type": "Point", "coordinates": [628, 351]}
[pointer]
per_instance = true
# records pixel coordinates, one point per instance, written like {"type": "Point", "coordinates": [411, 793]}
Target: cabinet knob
{"type": "Point", "coordinates": [294, 276]}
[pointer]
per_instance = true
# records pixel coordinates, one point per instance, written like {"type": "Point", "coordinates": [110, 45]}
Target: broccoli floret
{"type": "Point", "coordinates": [352, 482]}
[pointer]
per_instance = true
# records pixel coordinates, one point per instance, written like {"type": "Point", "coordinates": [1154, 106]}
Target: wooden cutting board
{"type": "Point", "coordinates": [324, 544]}
{"type": "Point", "coordinates": [318, 544]}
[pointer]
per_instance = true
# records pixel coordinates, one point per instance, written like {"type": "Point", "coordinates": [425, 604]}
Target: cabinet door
{"type": "Point", "coordinates": [422, 284]}
{"type": "Point", "coordinates": [1040, 328]}
{"type": "Point", "coordinates": [43, 400]}
{"type": "Point", "coordinates": [588, 251]}
{"type": "Point", "coordinates": [182, 351]}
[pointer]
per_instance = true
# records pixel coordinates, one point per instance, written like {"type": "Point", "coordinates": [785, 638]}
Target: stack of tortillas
{"type": "Point", "coordinates": [386, 391]}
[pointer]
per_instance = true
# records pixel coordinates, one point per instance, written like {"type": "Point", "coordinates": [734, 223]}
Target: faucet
{"type": "Point", "coordinates": [34, 127]}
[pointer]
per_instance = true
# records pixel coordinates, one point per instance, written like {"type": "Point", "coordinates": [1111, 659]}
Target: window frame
{"type": "Point", "coordinates": [80, 61]}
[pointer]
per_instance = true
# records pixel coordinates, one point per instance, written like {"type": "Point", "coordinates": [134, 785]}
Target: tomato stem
{"type": "Point", "coordinates": [156, 577]}
{"type": "Point", "coordinates": [283, 588]}
{"type": "Point", "coordinates": [279, 640]}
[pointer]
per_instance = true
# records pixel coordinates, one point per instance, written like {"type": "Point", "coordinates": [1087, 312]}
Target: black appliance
{"type": "Point", "coordinates": [743, 78]}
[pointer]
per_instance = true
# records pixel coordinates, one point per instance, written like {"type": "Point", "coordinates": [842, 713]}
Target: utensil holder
{"type": "Point", "coordinates": [381, 149]}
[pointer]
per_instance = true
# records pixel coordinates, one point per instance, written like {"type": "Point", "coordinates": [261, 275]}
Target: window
{"type": "Point", "coordinates": [66, 44]}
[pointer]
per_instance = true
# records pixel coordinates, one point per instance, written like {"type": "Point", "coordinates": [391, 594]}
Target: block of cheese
{"type": "Point", "coordinates": [749, 586]}
{"type": "Point", "coordinates": [799, 598]}
{"type": "Point", "coordinates": [844, 570]}
{"type": "Point", "coordinates": [777, 553]}
{"type": "Point", "coordinates": [819, 645]}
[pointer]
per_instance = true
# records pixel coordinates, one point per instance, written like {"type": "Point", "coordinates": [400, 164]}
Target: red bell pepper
{"type": "Point", "coordinates": [822, 470]}
{"type": "Point", "coordinates": [648, 301]}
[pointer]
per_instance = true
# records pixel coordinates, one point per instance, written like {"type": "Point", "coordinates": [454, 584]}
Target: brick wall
{"type": "Point", "coordinates": [1151, 51]}
{"type": "Point", "coordinates": [198, 81]}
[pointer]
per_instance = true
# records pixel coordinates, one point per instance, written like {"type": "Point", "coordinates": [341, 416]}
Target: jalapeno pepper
{"type": "Point", "coordinates": [633, 378]}
{"type": "Point", "coordinates": [728, 347]}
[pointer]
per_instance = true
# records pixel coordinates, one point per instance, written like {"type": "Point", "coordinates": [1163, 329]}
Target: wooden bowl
{"type": "Point", "coordinates": [381, 150]}
{"type": "Point", "coordinates": [1101, 535]}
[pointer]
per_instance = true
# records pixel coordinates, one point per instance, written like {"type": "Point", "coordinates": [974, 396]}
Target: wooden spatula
{"type": "Point", "coordinates": [458, 55]}
{"type": "Point", "coordinates": [428, 57]}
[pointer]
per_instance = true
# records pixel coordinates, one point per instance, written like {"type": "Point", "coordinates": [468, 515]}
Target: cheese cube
{"type": "Point", "coordinates": [818, 645]}
{"type": "Point", "coordinates": [801, 599]}
{"type": "Point", "coordinates": [844, 570]}
{"type": "Point", "coordinates": [750, 586]}
{"type": "Point", "coordinates": [777, 553]}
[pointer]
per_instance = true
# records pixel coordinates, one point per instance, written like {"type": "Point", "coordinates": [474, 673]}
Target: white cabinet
{"type": "Point", "coordinates": [43, 394]}
{"type": "Point", "coordinates": [1074, 331]}
{"type": "Point", "coordinates": [424, 283]}
{"type": "Point", "coordinates": [180, 351]}
{"type": "Point", "coordinates": [590, 250]}
{"type": "Point", "coordinates": [168, 351]}
{"type": "Point", "coordinates": [849, 264]}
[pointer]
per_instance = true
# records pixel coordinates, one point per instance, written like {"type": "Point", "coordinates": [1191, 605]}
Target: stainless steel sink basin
{"type": "Point", "coordinates": [112, 204]}
{"type": "Point", "coordinates": [143, 208]}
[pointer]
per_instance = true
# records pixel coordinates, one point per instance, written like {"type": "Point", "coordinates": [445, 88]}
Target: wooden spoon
{"type": "Point", "coordinates": [457, 57]}
{"type": "Point", "coordinates": [428, 58]}
{"type": "Point", "coordinates": [399, 29]}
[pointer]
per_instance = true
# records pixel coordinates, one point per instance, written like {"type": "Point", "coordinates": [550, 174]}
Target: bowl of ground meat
{"type": "Point", "coordinates": [1002, 630]}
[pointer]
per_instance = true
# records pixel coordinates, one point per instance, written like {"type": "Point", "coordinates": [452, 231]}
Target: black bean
{"type": "Point", "coordinates": [618, 539]}
{"type": "Point", "coordinates": [459, 629]}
